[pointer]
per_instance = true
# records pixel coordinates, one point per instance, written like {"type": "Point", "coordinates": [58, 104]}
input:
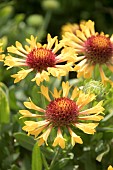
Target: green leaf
{"type": "Point", "coordinates": [36, 158]}
{"type": "Point", "coordinates": [13, 100]}
{"type": "Point", "coordinates": [24, 140]}
{"type": "Point", "coordinates": [4, 105]}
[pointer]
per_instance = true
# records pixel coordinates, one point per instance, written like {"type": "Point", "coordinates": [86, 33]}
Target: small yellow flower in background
{"type": "Point", "coordinates": [69, 27]}
{"type": "Point", "coordinates": [62, 113]}
{"type": "Point", "coordinates": [110, 168]}
{"type": "Point", "coordinates": [42, 59]}
{"type": "Point", "coordinates": [1, 55]}
{"type": "Point", "coordinates": [92, 49]}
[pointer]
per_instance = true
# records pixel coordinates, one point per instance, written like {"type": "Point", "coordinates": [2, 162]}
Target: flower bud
{"type": "Point", "coordinates": [95, 87]}
{"type": "Point", "coordinates": [50, 5]}
{"type": "Point", "coordinates": [35, 20]}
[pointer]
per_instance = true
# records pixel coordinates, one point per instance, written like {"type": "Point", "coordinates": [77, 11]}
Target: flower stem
{"type": "Point", "coordinates": [45, 24]}
{"type": "Point", "coordinates": [45, 162]}
{"type": "Point", "coordinates": [54, 158]}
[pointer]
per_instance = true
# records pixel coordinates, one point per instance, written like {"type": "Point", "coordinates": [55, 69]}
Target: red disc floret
{"type": "Point", "coordinates": [98, 49]}
{"type": "Point", "coordinates": [62, 112]}
{"type": "Point", "coordinates": [40, 59]}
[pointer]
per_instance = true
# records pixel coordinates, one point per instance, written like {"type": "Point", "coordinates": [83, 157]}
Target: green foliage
{"type": "Point", "coordinates": [36, 158]}
{"type": "Point", "coordinates": [18, 151]}
{"type": "Point", "coordinates": [4, 104]}
{"type": "Point", "coordinates": [24, 140]}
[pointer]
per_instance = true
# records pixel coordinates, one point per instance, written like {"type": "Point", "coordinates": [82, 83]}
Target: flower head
{"type": "Point", "coordinates": [42, 59]}
{"type": "Point", "coordinates": [92, 49]}
{"type": "Point", "coordinates": [61, 113]}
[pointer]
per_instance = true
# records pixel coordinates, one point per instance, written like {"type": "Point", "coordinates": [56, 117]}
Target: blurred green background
{"type": "Point", "coordinates": [18, 20]}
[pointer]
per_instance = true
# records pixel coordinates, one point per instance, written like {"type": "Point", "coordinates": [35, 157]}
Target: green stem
{"type": "Point", "coordinates": [55, 158]}
{"type": "Point", "coordinates": [45, 162]}
{"type": "Point", "coordinates": [45, 24]}
{"type": "Point", "coordinates": [47, 20]}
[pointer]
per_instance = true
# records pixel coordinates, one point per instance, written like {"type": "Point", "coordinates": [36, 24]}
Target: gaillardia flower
{"type": "Point", "coordinates": [62, 113]}
{"type": "Point", "coordinates": [1, 55]}
{"type": "Point", "coordinates": [92, 49]}
{"type": "Point", "coordinates": [42, 59]}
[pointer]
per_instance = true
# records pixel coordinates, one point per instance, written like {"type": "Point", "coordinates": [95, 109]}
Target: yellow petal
{"type": "Point", "coordinates": [81, 35]}
{"type": "Point", "coordinates": [65, 87]}
{"type": "Point", "coordinates": [111, 38]}
{"type": "Point", "coordinates": [50, 41]}
{"type": "Point", "coordinates": [104, 78]}
{"type": "Point", "coordinates": [96, 109]}
{"type": "Point", "coordinates": [37, 131]}
{"type": "Point", "coordinates": [20, 48]}
{"type": "Point", "coordinates": [74, 38]}
{"type": "Point", "coordinates": [87, 127]}
{"type": "Point", "coordinates": [13, 61]}
{"type": "Point", "coordinates": [75, 93]}
{"type": "Point", "coordinates": [84, 99]}
{"type": "Point", "coordinates": [21, 75]}
{"type": "Point", "coordinates": [40, 77]}
{"type": "Point", "coordinates": [27, 113]}
{"type": "Point", "coordinates": [30, 125]}
{"type": "Point", "coordinates": [38, 124]}
{"type": "Point", "coordinates": [90, 25]}
{"type": "Point", "coordinates": [44, 91]}
{"type": "Point", "coordinates": [2, 56]}
{"type": "Point", "coordinates": [43, 138]}
{"type": "Point", "coordinates": [110, 168]}
{"type": "Point", "coordinates": [91, 117]}
{"type": "Point", "coordinates": [56, 93]}
{"type": "Point", "coordinates": [13, 49]}
{"type": "Point", "coordinates": [31, 105]}
{"type": "Point", "coordinates": [86, 31]}
{"type": "Point", "coordinates": [74, 138]}
{"type": "Point", "coordinates": [32, 41]}
{"type": "Point", "coordinates": [59, 70]}
{"type": "Point", "coordinates": [59, 140]}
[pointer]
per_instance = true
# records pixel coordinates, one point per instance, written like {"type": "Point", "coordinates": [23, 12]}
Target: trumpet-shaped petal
{"type": "Point", "coordinates": [59, 140]}
{"type": "Point", "coordinates": [31, 105]}
{"type": "Point", "coordinates": [88, 128]}
{"type": "Point", "coordinates": [43, 138]}
{"type": "Point", "coordinates": [74, 138]}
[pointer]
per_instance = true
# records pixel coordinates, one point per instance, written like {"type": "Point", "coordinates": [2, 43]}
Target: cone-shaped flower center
{"type": "Point", "coordinates": [62, 112]}
{"type": "Point", "coordinates": [40, 59]}
{"type": "Point", "coordinates": [98, 49]}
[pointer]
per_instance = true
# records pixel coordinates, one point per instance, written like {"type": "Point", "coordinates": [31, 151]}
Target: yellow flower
{"type": "Point", "coordinates": [1, 55]}
{"type": "Point", "coordinates": [69, 27]}
{"type": "Point", "coordinates": [43, 60]}
{"type": "Point", "coordinates": [110, 168]}
{"type": "Point", "coordinates": [61, 113]}
{"type": "Point", "coordinates": [92, 49]}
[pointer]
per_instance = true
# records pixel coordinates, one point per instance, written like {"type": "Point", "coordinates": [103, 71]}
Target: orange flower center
{"type": "Point", "coordinates": [98, 49]}
{"type": "Point", "coordinates": [62, 112]}
{"type": "Point", "coordinates": [40, 59]}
